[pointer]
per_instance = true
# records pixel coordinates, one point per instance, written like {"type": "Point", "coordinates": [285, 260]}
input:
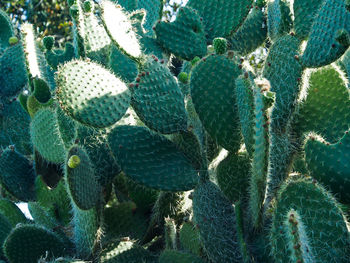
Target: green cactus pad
{"type": "Point", "coordinates": [259, 166]}
{"type": "Point", "coordinates": [13, 214]}
{"type": "Point", "coordinates": [122, 66]}
{"type": "Point", "coordinates": [143, 197]}
{"type": "Point", "coordinates": [17, 174]}
{"type": "Point", "coordinates": [94, 97]}
{"type": "Point", "coordinates": [95, 38]}
{"type": "Point", "coordinates": [232, 175]}
{"type": "Point", "coordinates": [214, 97]}
{"type": "Point", "coordinates": [251, 34]}
{"type": "Point", "coordinates": [326, 109]}
{"type": "Point", "coordinates": [67, 127]}
{"type": "Point", "coordinates": [124, 220]}
{"type": "Point", "coordinates": [82, 181]}
{"type": "Point", "coordinates": [127, 252]}
{"type": "Point", "coordinates": [221, 17]}
{"type": "Point", "coordinates": [128, 5]}
{"type": "Point", "coordinates": [245, 102]}
{"type": "Point", "coordinates": [188, 142]}
{"type": "Point", "coordinates": [27, 243]}
{"type": "Point", "coordinates": [41, 215]}
{"type": "Point", "coordinates": [46, 136]}
{"type": "Point", "coordinates": [323, 47]}
{"type": "Point", "coordinates": [283, 69]}
{"type": "Point", "coordinates": [101, 156]}
{"type": "Point", "coordinates": [15, 128]}
{"type": "Point", "coordinates": [120, 29]}
{"type": "Point", "coordinates": [151, 159]}
{"type": "Point", "coordinates": [279, 21]}
{"type": "Point", "coordinates": [5, 229]}
{"type": "Point", "coordinates": [13, 75]}
{"type": "Point", "coordinates": [215, 217]}
{"type": "Point", "coordinates": [184, 37]}
{"type": "Point", "coordinates": [6, 29]}
{"type": "Point", "coordinates": [329, 163]}
{"type": "Point", "coordinates": [54, 199]}
{"type": "Point", "coordinates": [56, 57]}
{"type": "Point", "coordinates": [189, 238]}
{"type": "Point", "coordinates": [305, 13]}
{"type": "Point", "coordinates": [323, 225]}
{"type": "Point", "coordinates": [173, 256]}
{"type": "Point", "coordinates": [153, 13]}
{"type": "Point", "coordinates": [85, 227]}
{"type": "Point", "coordinates": [157, 98]}
{"type": "Point", "coordinates": [35, 59]}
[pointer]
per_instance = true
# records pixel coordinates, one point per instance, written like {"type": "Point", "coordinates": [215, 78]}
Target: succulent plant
{"type": "Point", "coordinates": [122, 160]}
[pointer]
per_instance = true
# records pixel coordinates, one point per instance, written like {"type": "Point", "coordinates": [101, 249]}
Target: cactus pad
{"type": "Point", "coordinates": [120, 28]}
{"type": "Point", "coordinates": [151, 159]}
{"type": "Point", "coordinates": [326, 109]}
{"type": "Point", "coordinates": [215, 217]}
{"type": "Point", "coordinates": [324, 231]}
{"type": "Point", "coordinates": [82, 181]}
{"type": "Point", "coordinates": [213, 94]}
{"type": "Point", "coordinates": [157, 98]}
{"type": "Point", "coordinates": [184, 37]}
{"type": "Point", "coordinates": [17, 174]}
{"type": "Point", "coordinates": [46, 136]}
{"type": "Point", "coordinates": [27, 243]}
{"type": "Point", "coordinates": [283, 70]}
{"type": "Point", "coordinates": [323, 47]}
{"type": "Point", "coordinates": [94, 97]}
{"type": "Point", "coordinates": [221, 17]}
{"type": "Point", "coordinates": [329, 163]}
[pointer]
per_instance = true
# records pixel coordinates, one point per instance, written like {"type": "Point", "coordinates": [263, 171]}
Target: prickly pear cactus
{"type": "Point", "coordinates": [147, 140]}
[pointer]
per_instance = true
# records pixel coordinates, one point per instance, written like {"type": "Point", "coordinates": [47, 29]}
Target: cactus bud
{"type": "Point", "coordinates": [13, 41]}
{"type": "Point", "coordinates": [220, 45]}
{"type": "Point", "coordinates": [183, 77]}
{"type": "Point", "coordinates": [73, 161]}
{"type": "Point", "coordinates": [48, 42]}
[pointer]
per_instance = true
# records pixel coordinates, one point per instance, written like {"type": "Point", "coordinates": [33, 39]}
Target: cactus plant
{"type": "Point", "coordinates": [154, 141]}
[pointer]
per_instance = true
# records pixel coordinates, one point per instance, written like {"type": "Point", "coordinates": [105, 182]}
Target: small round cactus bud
{"type": "Point", "coordinates": [183, 77]}
{"type": "Point", "coordinates": [73, 161]}
{"type": "Point", "coordinates": [220, 45]}
{"type": "Point", "coordinates": [48, 42]}
{"type": "Point", "coordinates": [87, 6]}
{"type": "Point", "coordinates": [195, 60]}
{"type": "Point", "coordinates": [13, 41]}
{"type": "Point", "coordinates": [74, 11]}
